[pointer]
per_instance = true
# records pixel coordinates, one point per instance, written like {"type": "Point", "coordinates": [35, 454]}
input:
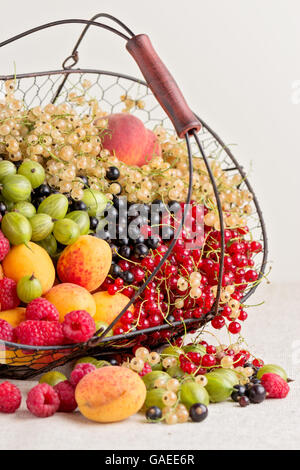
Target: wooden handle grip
{"type": "Point", "coordinates": [162, 84]}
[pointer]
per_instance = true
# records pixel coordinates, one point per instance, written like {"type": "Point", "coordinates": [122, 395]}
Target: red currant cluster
{"type": "Point", "coordinates": [185, 287]}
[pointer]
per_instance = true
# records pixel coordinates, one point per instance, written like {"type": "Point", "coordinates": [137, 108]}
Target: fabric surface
{"type": "Point", "coordinates": [272, 332]}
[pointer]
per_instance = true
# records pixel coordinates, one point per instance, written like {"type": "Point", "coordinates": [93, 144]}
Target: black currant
{"type": "Point", "coordinates": [127, 277]}
{"type": "Point", "coordinates": [153, 242]}
{"type": "Point", "coordinates": [153, 413]}
{"type": "Point", "coordinates": [42, 190]}
{"type": "Point", "coordinates": [198, 412]}
{"type": "Point", "coordinates": [112, 173]}
{"type": "Point", "coordinates": [256, 393]}
{"type": "Point", "coordinates": [84, 180]}
{"type": "Point", "coordinates": [113, 361]}
{"type": "Point", "coordinates": [141, 250]}
{"type": "Point", "coordinates": [115, 270]}
{"type": "Point", "coordinates": [124, 241]}
{"type": "Point", "coordinates": [78, 206]}
{"type": "Point", "coordinates": [93, 223]}
{"type": "Point", "coordinates": [125, 251]}
{"type": "Point", "coordinates": [244, 401]}
{"type": "Point", "coordinates": [3, 208]}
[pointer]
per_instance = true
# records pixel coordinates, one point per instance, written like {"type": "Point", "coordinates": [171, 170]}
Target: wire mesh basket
{"type": "Point", "coordinates": [163, 105]}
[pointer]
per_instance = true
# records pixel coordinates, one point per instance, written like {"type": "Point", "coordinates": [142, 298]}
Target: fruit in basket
{"type": "Point", "coordinates": [13, 316]}
{"type": "Point", "coordinates": [95, 201]}
{"type": "Point", "coordinates": [29, 288]}
{"type": "Point", "coordinates": [86, 262]}
{"type": "Point", "coordinates": [16, 228]}
{"type": "Point", "coordinates": [78, 326]}
{"type": "Point", "coordinates": [82, 220]}
{"type": "Point", "coordinates": [49, 244]}
{"type": "Point", "coordinates": [129, 140]}
{"type": "Point", "coordinates": [66, 231]}
{"type": "Point", "coordinates": [110, 394]}
{"type": "Point", "coordinates": [109, 306]}
{"type": "Point", "coordinates": [25, 208]}
{"type": "Point", "coordinates": [40, 333]}
{"type": "Point", "coordinates": [52, 378]}
{"type": "Point", "coordinates": [41, 309]}
{"type": "Point", "coordinates": [6, 331]}
{"type": "Point", "coordinates": [25, 260]}
{"type": "Point", "coordinates": [67, 297]}
{"type": "Point", "coordinates": [55, 205]}
{"type": "Point", "coordinates": [33, 171]}
{"type": "Point", "coordinates": [8, 294]}
{"type": "Point", "coordinates": [6, 168]}
{"type": "Point", "coordinates": [16, 188]}
{"type": "Point", "coordinates": [42, 226]}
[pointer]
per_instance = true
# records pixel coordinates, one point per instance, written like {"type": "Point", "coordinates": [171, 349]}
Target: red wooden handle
{"type": "Point", "coordinates": [162, 84]}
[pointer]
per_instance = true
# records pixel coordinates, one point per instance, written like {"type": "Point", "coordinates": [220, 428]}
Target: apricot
{"type": "Point", "coordinates": [110, 394]}
{"type": "Point", "coordinates": [68, 297]}
{"type": "Point", "coordinates": [85, 263]}
{"type": "Point", "coordinates": [1, 272]}
{"type": "Point", "coordinates": [25, 260]}
{"type": "Point", "coordinates": [109, 306]}
{"type": "Point", "coordinates": [14, 317]}
{"type": "Point", "coordinates": [129, 139]}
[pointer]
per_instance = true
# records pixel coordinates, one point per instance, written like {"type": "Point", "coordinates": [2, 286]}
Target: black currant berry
{"type": "Point", "coordinates": [153, 413]}
{"type": "Point", "coordinates": [198, 412]}
{"type": "Point", "coordinates": [115, 270]}
{"type": "Point", "coordinates": [93, 223]}
{"type": "Point", "coordinates": [42, 190]}
{"type": "Point", "coordinates": [153, 242]}
{"type": "Point", "coordinates": [256, 393]}
{"type": "Point", "coordinates": [78, 206]}
{"type": "Point", "coordinates": [141, 250]}
{"type": "Point", "coordinates": [112, 173]}
{"type": "Point", "coordinates": [244, 401]}
{"type": "Point", "coordinates": [3, 208]}
{"type": "Point", "coordinates": [127, 277]}
{"type": "Point", "coordinates": [84, 180]}
{"type": "Point", "coordinates": [125, 251]}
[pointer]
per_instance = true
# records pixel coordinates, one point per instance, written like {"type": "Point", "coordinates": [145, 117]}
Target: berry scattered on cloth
{"type": "Point", "coordinates": [10, 397]}
{"type": "Point", "coordinates": [40, 333]}
{"type": "Point", "coordinates": [66, 393]}
{"type": "Point", "coordinates": [43, 401]}
{"type": "Point", "coordinates": [78, 326]}
{"type": "Point", "coordinates": [41, 309]}
{"type": "Point", "coordinates": [80, 371]}
{"type": "Point", "coordinates": [276, 386]}
{"type": "Point", "coordinates": [8, 294]}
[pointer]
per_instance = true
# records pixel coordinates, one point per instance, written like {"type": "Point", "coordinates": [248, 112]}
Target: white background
{"type": "Point", "coordinates": [236, 63]}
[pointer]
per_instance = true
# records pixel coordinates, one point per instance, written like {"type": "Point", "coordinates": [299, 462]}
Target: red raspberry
{"type": "Point", "coordinates": [4, 246]}
{"type": "Point", "coordinates": [275, 386]}
{"type": "Point", "coordinates": [78, 326]}
{"type": "Point", "coordinates": [40, 333]}
{"type": "Point", "coordinates": [10, 398]}
{"type": "Point", "coordinates": [66, 395]}
{"type": "Point", "coordinates": [41, 309]}
{"type": "Point", "coordinates": [146, 369]}
{"type": "Point", "coordinates": [42, 400]}
{"type": "Point", "coordinates": [6, 331]}
{"type": "Point", "coordinates": [8, 294]}
{"type": "Point", "coordinates": [80, 371]}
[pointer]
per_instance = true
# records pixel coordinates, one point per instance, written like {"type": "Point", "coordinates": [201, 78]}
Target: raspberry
{"type": "Point", "coordinates": [41, 309]}
{"type": "Point", "coordinates": [276, 386]}
{"type": "Point", "coordinates": [8, 294]}
{"type": "Point", "coordinates": [66, 395]}
{"type": "Point", "coordinates": [4, 246]}
{"type": "Point", "coordinates": [146, 369]}
{"type": "Point", "coordinates": [80, 371]}
{"type": "Point", "coordinates": [78, 326]}
{"type": "Point", "coordinates": [42, 400]}
{"type": "Point", "coordinates": [40, 333]}
{"type": "Point", "coordinates": [10, 398]}
{"type": "Point", "coordinates": [6, 331]}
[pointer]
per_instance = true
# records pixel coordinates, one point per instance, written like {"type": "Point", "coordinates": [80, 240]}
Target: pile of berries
{"type": "Point", "coordinates": [41, 326]}
{"type": "Point", "coordinates": [186, 285]}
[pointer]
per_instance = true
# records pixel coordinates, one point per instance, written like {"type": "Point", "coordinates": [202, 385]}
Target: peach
{"type": "Point", "coordinates": [86, 262]}
{"type": "Point", "coordinates": [129, 139]}
{"type": "Point", "coordinates": [68, 297]}
{"type": "Point", "coordinates": [14, 317]}
{"type": "Point", "coordinates": [24, 260]}
{"type": "Point", "coordinates": [109, 306]}
{"type": "Point", "coordinates": [110, 394]}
